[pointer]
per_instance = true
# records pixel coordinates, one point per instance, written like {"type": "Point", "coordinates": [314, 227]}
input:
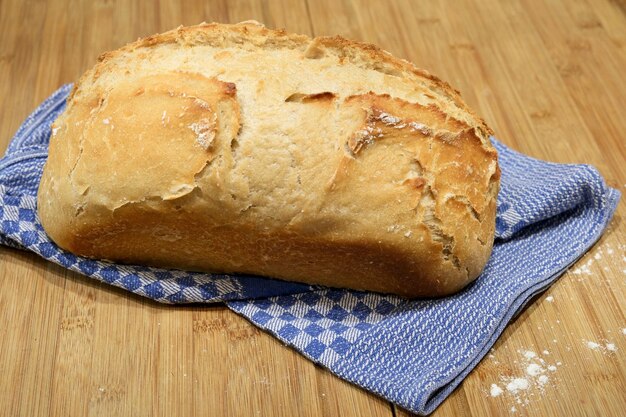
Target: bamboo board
{"type": "Point", "coordinates": [547, 76]}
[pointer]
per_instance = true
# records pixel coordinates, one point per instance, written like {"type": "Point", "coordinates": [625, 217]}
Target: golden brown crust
{"type": "Point", "coordinates": [236, 148]}
{"type": "Point", "coordinates": [259, 34]}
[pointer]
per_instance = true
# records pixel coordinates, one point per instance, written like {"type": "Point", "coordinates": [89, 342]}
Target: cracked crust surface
{"type": "Point", "coordinates": [235, 148]}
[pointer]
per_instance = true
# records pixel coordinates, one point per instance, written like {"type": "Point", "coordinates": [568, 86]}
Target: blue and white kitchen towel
{"type": "Point", "coordinates": [413, 353]}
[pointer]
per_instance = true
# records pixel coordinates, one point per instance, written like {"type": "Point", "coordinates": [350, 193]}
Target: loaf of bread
{"type": "Point", "coordinates": [240, 149]}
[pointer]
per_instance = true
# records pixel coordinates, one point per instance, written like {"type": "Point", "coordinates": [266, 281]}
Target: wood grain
{"type": "Point", "coordinates": [547, 76]}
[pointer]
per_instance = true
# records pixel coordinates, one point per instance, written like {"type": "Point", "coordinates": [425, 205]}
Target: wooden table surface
{"type": "Point", "coordinates": [547, 76]}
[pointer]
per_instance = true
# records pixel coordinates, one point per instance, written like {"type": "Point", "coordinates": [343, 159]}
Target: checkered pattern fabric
{"type": "Point", "coordinates": [414, 353]}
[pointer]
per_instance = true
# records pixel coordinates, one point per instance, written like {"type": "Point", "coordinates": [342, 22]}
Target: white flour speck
{"type": "Point", "coordinates": [533, 369]}
{"type": "Point", "coordinates": [607, 347]}
{"type": "Point", "coordinates": [425, 130]}
{"type": "Point", "coordinates": [532, 378]}
{"type": "Point", "coordinates": [106, 121]}
{"type": "Point", "coordinates": [203, 104]}
{"type": "Point", "coordinates": [204, 132]}
{"type": "Point", "coordinates": [495, 390]}
{"type": "Point", "coordinates": [388, 119]}
{"type": "Point", "coordinates": [408, 234]}
{"type": "Point", "coordinates": [624, 331]}
{"type": "Point", "coordinates": [517, 384]}
{"type": "Point", "coordinates": [584, 269]}
{"type": "Point", "coordinates": [549, 298]}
